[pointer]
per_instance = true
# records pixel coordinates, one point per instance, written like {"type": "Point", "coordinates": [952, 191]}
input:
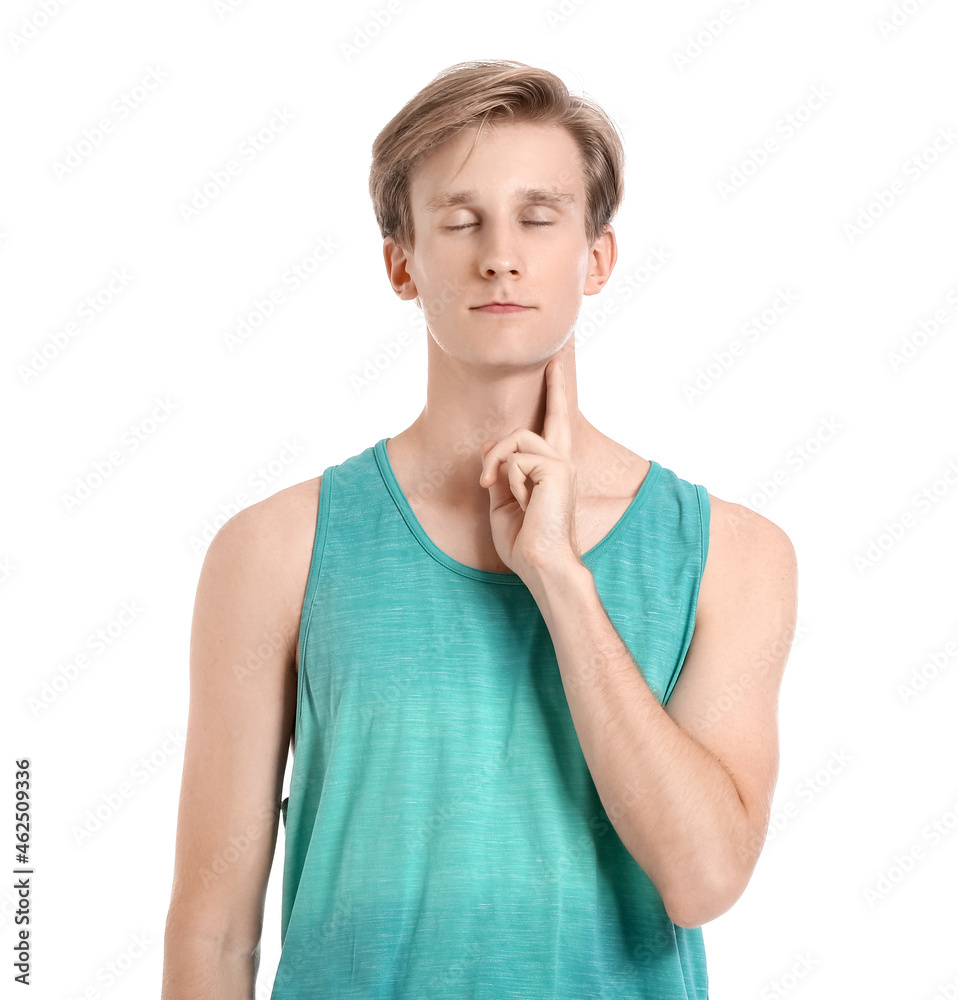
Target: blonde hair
{"type": "Point", "coordinates": [493, 90]}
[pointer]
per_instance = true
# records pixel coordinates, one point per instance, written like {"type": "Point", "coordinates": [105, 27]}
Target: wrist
{"type": "Point", "coordinates": [561, 583]}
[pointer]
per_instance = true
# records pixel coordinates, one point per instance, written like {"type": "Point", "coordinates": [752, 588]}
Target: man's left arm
{"type": "Point", "coordinates": [688, 787]}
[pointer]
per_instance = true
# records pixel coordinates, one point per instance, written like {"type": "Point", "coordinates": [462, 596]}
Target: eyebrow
{"type": "Point", "coordinates": [533, 195]}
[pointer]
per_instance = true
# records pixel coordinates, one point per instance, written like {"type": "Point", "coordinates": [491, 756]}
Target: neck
{"type": "Point", "coordinates": [467, 404]}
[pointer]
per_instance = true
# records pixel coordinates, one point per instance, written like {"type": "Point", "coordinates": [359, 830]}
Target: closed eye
{"type": "Point", "coordinates": [526, 222]}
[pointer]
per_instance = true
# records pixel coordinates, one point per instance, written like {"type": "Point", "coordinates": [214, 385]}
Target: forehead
{"type": "Point", "coordinates": [523, 160]}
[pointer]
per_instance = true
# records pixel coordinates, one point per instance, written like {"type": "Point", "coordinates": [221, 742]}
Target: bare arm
{"type": "Point", "coordinates": [242, 706]}
{"type": "Point", "coordinates": [689, 798]}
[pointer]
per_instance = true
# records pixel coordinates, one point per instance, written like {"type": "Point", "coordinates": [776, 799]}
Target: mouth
{"type": "Point", "coordinates": [501, 307]}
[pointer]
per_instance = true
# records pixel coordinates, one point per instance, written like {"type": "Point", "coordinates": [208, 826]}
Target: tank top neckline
{"type": "Point", "coordinates": [489, 576]}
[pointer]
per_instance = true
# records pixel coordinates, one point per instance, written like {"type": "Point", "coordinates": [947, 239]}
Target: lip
{"type": "Point", "coordinates": [501, 307]}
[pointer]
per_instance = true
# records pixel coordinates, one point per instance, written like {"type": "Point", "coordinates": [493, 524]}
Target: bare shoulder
{"type": "Point", "coordinates": [746, 550]}
{"type": "Point", "coordinates": [740, 524]}
{"type": "Point", "coordinates": [282, 510]}
{"type": "Point", "coordinates": [273, 540]}
{"type": "Point", "coordinates": [282, 520]}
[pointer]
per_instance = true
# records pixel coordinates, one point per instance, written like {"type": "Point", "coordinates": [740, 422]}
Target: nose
{"type": "Point", "coordinates": [491, 270]}
{"type": "Point", "coordinates": [498, 264]}
{"type": "Point", "coordinates": [498, 254]}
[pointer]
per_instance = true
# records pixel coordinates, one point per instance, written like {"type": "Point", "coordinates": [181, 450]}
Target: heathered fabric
{"type": "Point", "coordinates": [443, 835]}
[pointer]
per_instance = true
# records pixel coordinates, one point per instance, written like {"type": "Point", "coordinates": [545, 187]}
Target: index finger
{"type": "Point", "coordinates": [556, 428]}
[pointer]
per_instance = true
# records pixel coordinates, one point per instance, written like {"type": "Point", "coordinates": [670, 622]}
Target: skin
{"type": "Point", "coordinates": [485, 371]}
{"type": "Point", "coordinates": [688, 793]}
{"type": "Point", "coordinates": [527, 485]}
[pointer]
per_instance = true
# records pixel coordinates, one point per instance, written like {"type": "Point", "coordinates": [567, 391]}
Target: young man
{"type": "Point", "coordinates": [533, 675]}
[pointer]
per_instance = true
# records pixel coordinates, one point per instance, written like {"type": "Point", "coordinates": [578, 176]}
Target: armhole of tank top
{"type": "Point", "coordinates": [705, 512]}
{"type": "Point", "coordinates": [705, 518]}
{"type": "Point", "coordinates": [315, 565]}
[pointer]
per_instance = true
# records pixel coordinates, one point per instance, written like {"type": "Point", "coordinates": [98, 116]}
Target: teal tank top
{"type": "Point", "coordinates": [443, 835]}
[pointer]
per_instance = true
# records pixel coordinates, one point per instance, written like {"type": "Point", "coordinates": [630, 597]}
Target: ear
{"type": "Point", "coordinates": [399, 277]}
{"type": "Point", "coordinates": [602, 259]}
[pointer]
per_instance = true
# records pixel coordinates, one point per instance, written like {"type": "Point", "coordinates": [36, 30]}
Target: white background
{"type": "Point", "coordinates": [826, 362]}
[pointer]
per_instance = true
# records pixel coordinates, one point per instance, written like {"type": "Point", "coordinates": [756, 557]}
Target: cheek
{"type": "Point", "coordinates": [567, 280]}
{"type": "Point", "coordinates": [582, 269]}
{"type": "Point", "coordinates": [569, 261]}
{"type": "Point", "coordinates": [438, 285]}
